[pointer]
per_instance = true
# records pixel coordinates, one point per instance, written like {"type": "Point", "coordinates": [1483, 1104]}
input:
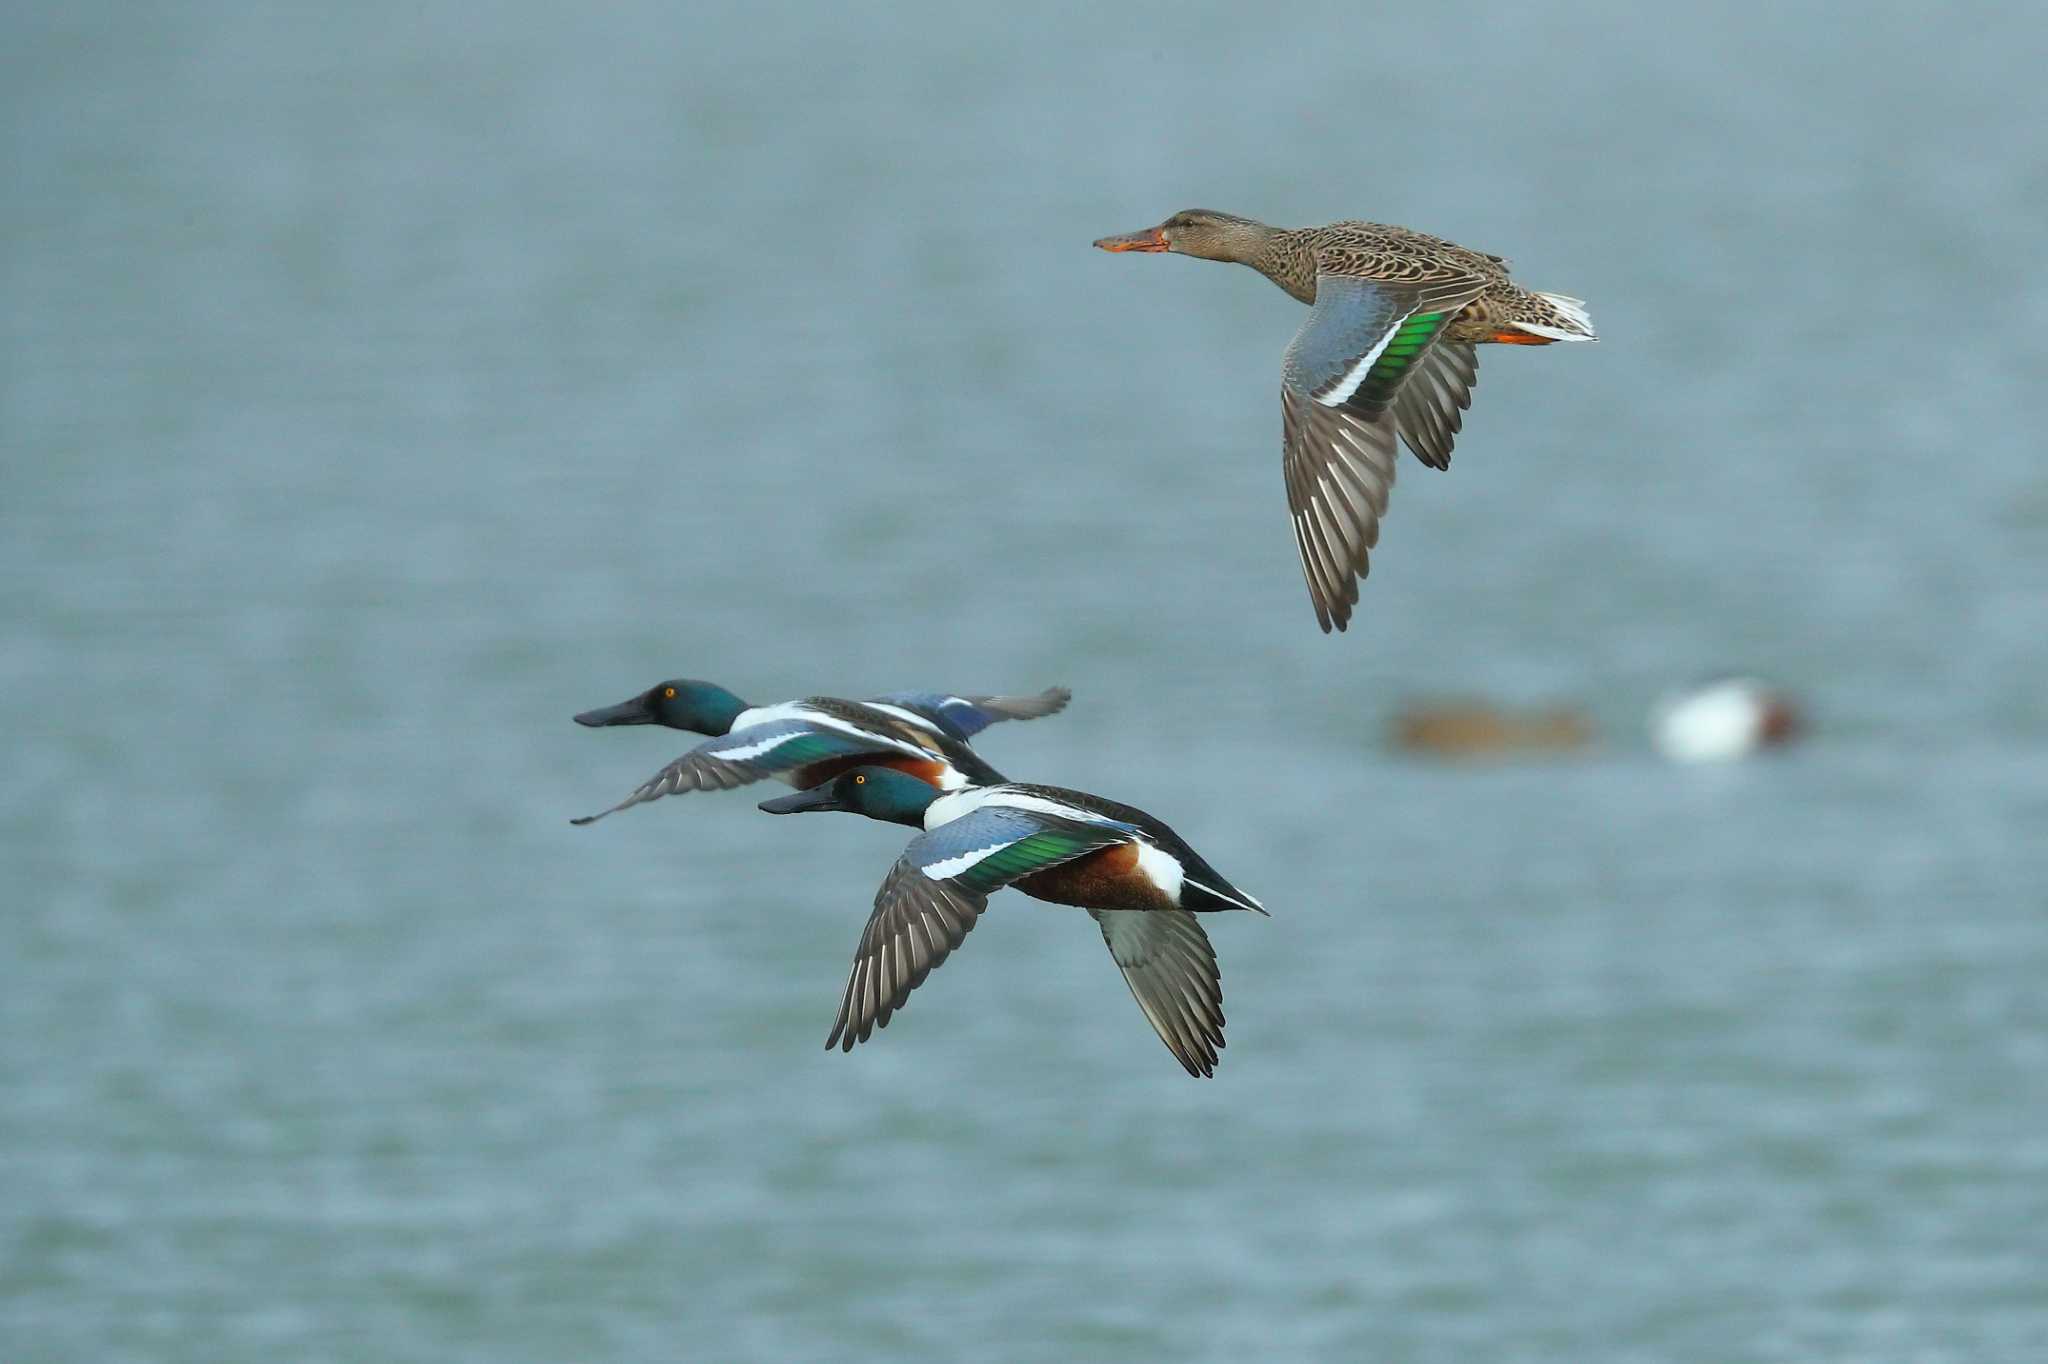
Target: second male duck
{"type": "Point", "coordinates": [1138, 879]}
{"type": "Point", "coordinates": [803, 743]}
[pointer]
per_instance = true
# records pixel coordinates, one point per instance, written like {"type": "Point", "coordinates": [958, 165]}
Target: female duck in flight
{"type": "Point", "coordinates": [1388, 347]}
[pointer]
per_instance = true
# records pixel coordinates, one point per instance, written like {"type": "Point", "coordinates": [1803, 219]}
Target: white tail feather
{"type": "Point", "coordinates": [1573, 311]}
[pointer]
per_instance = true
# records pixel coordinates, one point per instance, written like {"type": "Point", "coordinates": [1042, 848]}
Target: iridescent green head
{"type": "Point", "coordinates": [877, 792]}
{"type": "Point", "coordinates": [679, 703]}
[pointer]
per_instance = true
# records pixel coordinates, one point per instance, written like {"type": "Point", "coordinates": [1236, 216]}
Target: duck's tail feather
{"type": "Point", "coordinates": [1200, 896]}
{"type": "Point", "coordinates": [1562, 318]}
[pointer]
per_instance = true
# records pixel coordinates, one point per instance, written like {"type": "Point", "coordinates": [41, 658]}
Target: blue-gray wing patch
{"type": "Point", "coordinates": [1350, 359]}
{"type": "Point", "coordinates": [1363, 338]}
{"type": "Point", "coordinates": [928, 903]}
{"type": "Point", "coordinates": [966, 716]}
{"type": "Point", "coordinates": [986, 850]}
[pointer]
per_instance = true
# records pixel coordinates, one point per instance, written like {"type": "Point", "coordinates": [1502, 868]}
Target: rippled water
{"type": "Point", "coordinates": [381, 384]}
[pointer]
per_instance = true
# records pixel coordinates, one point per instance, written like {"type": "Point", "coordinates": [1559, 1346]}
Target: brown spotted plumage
{"type": "Point", "coordinates": [1387, 350]}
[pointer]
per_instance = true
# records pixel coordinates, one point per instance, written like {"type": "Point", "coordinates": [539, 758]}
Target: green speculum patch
{"type": "Point", "coordinates": [1410, 339]}
{"type": "Point", "coordinates": [1022, 857]}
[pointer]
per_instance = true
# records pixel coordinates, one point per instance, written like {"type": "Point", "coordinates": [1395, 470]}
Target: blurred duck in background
{"type": "Point", "coordinates": [1482, 730]}
{"type": "Point", "coordinates": [1723, 719]}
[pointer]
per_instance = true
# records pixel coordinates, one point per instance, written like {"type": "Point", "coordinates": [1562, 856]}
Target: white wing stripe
{"type": "Point", "coordinates": [761, 715]}
{"type": "Point", "coordinates": [754, 749]}
{"type": "Point", "coordinates": [959, 804]}
{"type": "Point", "coordinates": [793, 710]}
{"type": "Point", "coordinates": [953, 866]}
{"type": "Point", "coordinates": [1348, 385]}
{"type": "Point", "coordinates": [908, 717]}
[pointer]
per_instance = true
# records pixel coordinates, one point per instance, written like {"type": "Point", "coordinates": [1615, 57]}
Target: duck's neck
{"type": "Point", "coordinates": [1239, 240]}
{"type": "Point", "coordinates": [713, 709]}
{"type": "Point", "coordinates": [1285, 256]}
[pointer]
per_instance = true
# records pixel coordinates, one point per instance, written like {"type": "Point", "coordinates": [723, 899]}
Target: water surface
{"type": "Point", "coordinates": [380, 385]}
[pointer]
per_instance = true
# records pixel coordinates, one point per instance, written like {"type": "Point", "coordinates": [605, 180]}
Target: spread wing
{"type": "Point", "coordinates": [1347, 364]}
{"type": "Point", "coordinates": [1430, 408]}
{"type": "Point", "coordinates": [744, 757]}
{"type": "Point", "coordinates": [929, 901]}
{"type": "Point", "coordinates": [967, 716]}
{"type": "Point", "coordinates": [1171, 969]}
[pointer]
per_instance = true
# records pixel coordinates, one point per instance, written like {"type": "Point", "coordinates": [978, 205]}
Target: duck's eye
{"type": "Point", "coordinates": [668, 693]}
{"type": "Point", "coordinates": [859, 780]}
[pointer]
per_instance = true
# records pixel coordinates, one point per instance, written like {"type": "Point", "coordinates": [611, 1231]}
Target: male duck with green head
{"type": "Point", "coordinates": [922, 733]}
{"type": "Point", "coordinates": [1139, 880]}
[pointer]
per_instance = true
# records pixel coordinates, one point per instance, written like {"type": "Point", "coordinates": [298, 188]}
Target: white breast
{"type": "Point", "coordinates": [1163, 869]}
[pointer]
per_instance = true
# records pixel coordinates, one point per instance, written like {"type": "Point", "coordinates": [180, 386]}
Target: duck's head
{"type": "Point", "coordinates": [1196, 232]}
{"type": "Point", "coordinates": [679, 703]}
{"type": "Point", "coordinates": [877, 792]}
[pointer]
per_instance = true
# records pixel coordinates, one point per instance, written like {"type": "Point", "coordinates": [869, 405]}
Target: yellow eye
{"type": "Point", "coordinates": [860, 780]}
{"type": "Point", "coordinates": [668, 693]}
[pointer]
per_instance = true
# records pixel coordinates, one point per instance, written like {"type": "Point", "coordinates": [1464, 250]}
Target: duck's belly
{"type": "Point", "coordinates": [1109, 879]}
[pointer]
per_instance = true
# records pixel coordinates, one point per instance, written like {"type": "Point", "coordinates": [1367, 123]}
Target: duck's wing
{"type": "Point", "coordinates": [967, 716]}
{"type": "Point", "coordinates": [753, 754]}
{"type": "Point", "coordinates": [929, 901]}
{"type": "Point", "coordinates": [1362, 340]}
{"type": "Point", "coordinates": [1429, 409]}
{"type": "Point", "coordinates": [1171, 969]}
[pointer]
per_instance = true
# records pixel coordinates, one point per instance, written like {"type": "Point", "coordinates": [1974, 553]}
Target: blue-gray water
{"type": "Point", "coordinates": [381, 384]}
